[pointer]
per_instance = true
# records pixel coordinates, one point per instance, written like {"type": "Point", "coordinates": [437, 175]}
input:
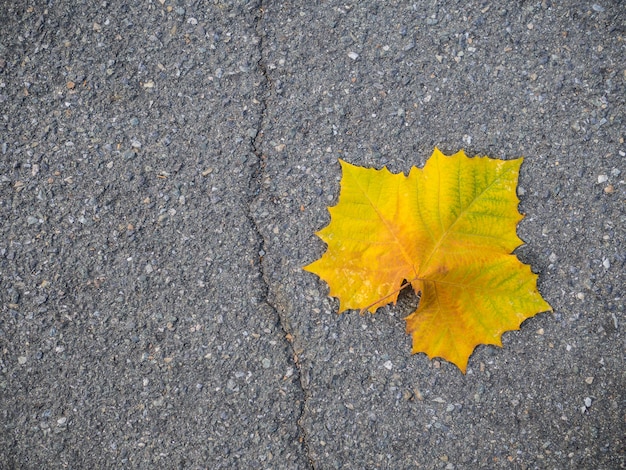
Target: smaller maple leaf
{"type": "Point", "coordinates": [448, 231]}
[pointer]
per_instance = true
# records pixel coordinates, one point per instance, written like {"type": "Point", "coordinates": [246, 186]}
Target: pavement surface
{"type": "Point", "coordinates": [164, 166]}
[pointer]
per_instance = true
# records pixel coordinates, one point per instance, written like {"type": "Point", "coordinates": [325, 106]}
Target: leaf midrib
{"type": "Point", "coordinates": [449, 229]}
{"type": "Point", "coordinates": [388, 226]}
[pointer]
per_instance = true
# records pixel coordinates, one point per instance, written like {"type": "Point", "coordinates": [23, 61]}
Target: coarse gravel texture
{"type": "Point", "coordinates": [135, 331]}
{"type": "Point", "coordinates": [164, 167]}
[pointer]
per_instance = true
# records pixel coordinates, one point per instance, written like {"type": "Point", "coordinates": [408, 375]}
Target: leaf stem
{"type": "Point", "coordinates": [406, 283]}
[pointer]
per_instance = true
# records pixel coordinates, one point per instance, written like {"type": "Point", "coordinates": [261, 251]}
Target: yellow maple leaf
{"type": "Point", "coordinates": [447, 230]}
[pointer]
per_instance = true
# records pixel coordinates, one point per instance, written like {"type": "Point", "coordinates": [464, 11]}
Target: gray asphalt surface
{"type": "Point", "coordinates": [163, 169]}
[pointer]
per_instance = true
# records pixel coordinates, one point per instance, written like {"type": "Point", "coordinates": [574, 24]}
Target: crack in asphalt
{"type": "Point", "coordinates": [256, 189]}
